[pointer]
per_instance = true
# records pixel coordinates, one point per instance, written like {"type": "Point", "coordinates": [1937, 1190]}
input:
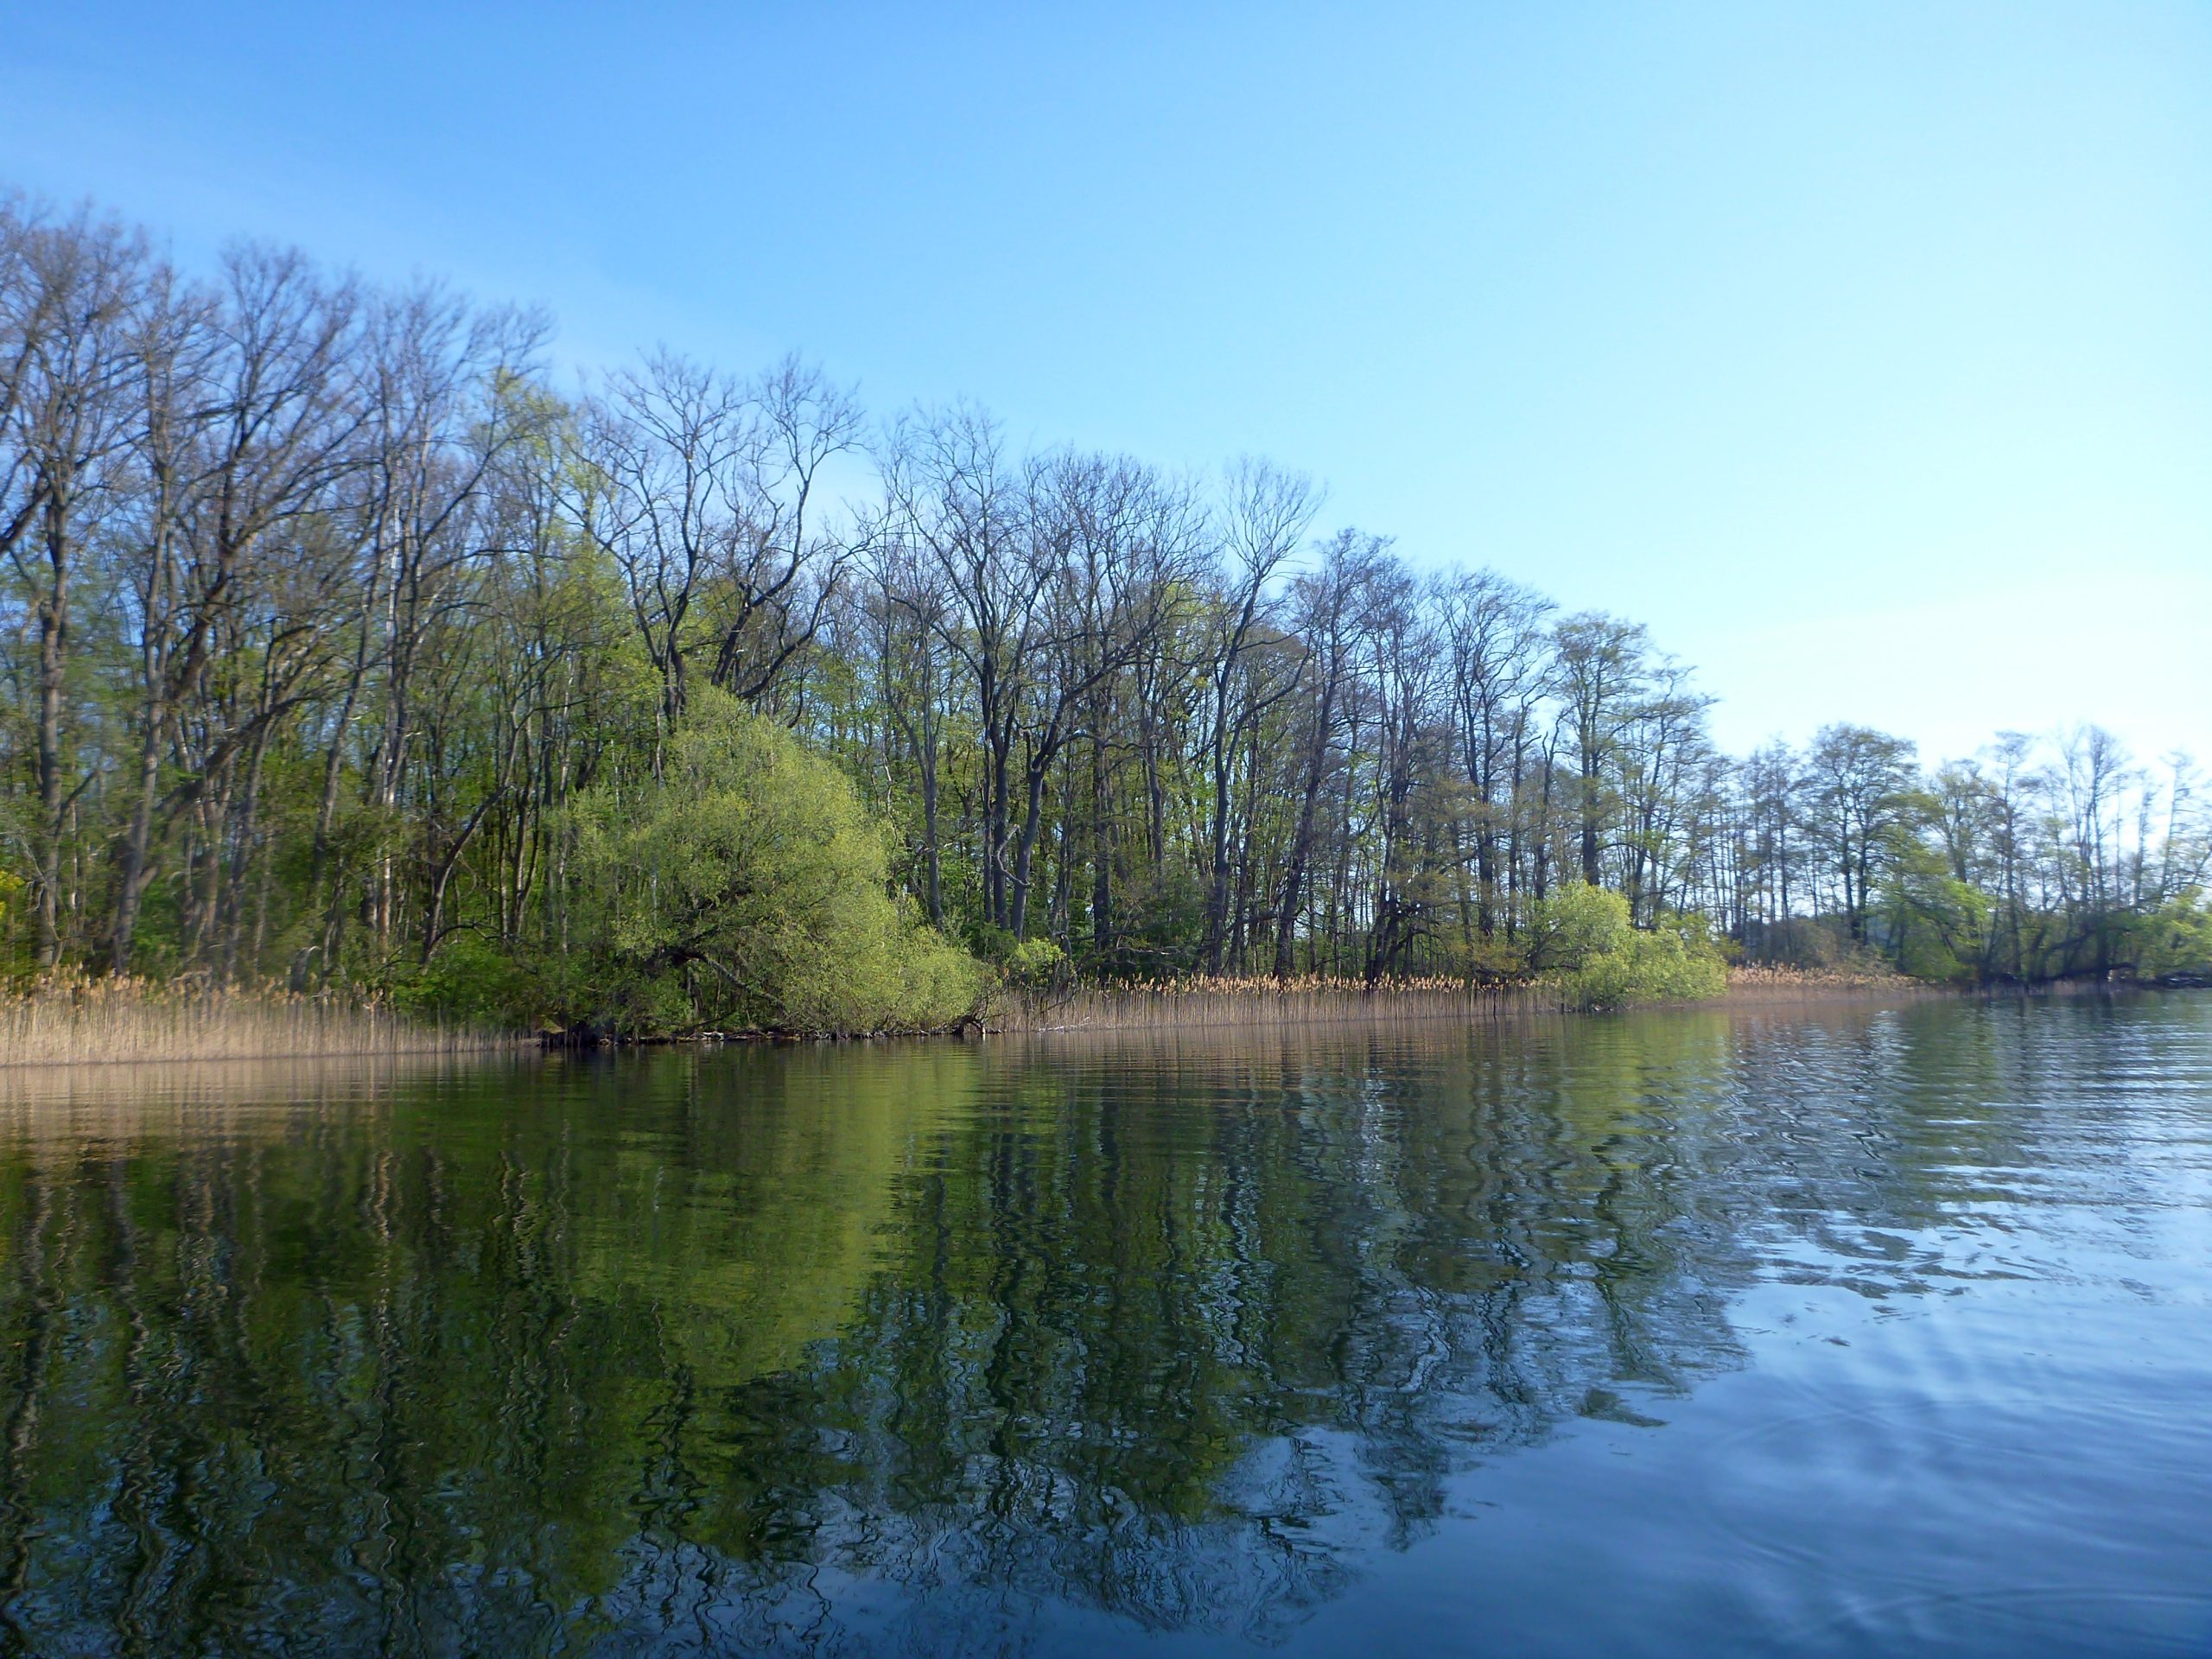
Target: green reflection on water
{"type": "Point", "coordinates": [785, 1348]}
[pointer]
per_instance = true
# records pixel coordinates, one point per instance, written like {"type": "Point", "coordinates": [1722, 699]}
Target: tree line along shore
{"type": "Point", "coordinates": [348, 655]}
{"type": "Point", "coordinates": [71, 1020]}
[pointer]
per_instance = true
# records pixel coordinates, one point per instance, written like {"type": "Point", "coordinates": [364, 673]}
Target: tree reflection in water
{"type": "Point", "coordinates": [808, 1349]}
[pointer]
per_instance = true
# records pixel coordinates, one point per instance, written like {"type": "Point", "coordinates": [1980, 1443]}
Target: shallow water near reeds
{"type": "Point", "coordinates": [1854, 1331]}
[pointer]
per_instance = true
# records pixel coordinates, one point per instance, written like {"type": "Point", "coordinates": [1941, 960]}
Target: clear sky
{"type": "Point", "coordinates": [1864, 351]}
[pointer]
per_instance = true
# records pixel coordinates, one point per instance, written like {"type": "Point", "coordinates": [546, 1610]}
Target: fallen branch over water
{"type": "Point", "coordinates": [69, 1020]}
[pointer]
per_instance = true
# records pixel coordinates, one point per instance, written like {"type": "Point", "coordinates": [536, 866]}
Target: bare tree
{"type": "Point", "coordinates": [666, 461]}
{"type": "Point", "coordinates": [960, 503]}
{"type": "Point", "coordinates": [66, 289]}
{"type": "Point", "coordinates": [1601, 673]}
{"type": "Point", "coordinates": [779, 568]}
{"type": "Point", "coordinates": [1264, 518]}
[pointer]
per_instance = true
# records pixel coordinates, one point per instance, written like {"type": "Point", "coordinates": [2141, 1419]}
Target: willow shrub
{"type": "Point", "coordinates": [749, 887]}
{"type": "Point", "coordinates": [1585, 943]}
{"type": "Point", "coordinates": [2175, 942]}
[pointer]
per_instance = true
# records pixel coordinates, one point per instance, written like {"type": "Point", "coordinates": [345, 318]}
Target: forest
{"type": "Point", "coordinates": [342, 649]}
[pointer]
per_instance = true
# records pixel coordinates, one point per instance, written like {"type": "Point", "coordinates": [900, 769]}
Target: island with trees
{"type": "Point", "coordinates": [344, 655]}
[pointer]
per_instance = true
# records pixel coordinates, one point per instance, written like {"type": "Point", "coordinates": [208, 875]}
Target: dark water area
{"type": "Point", "coordinates": [1850, 1331]}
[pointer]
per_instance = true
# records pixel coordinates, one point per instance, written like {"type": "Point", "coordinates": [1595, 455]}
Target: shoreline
{"type": "Point", "coordinates": [1197, 1007]}
{"type": "Point", "coordinates": [107, 1032]}
{"type": "Point", "coordinates": [75, 1022]}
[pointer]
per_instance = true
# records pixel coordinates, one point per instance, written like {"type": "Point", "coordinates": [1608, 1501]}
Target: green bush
{"type": "Point", "coordinates": [1573, 924]}
{"type": "Point", "coordinates": [12, 908]}
{"type": "Point", "coordinates": [2175, 942]}
{"type": "Point", "coordinates": [1585, 943]}
{"type": "Point", "coordinates": [473, 981]}
{"type": "Point", "coordinates": [1034, 964]}
{"type": "Point", "coordinates": [1160, 923]}
{"type": "Point", "coordinates": [749, 887]}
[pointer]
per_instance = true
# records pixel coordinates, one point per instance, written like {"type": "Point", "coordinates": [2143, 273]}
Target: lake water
{"type": "Point", "coordinates": [1853, 1331]}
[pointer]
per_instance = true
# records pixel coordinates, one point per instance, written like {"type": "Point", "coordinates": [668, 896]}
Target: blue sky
{"type": "Point", "coordinates": [1865, 352]}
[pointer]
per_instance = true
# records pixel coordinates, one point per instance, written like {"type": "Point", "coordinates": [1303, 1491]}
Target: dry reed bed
{"type": "Point", "coordinates": [1199, 1002]}
{"type": "Point", "coordinates": [1753, 984]}
{"type": "Point", "coordinates": [109, 1021]}
{"type": "Point", "coordinates": [1251, 1002]}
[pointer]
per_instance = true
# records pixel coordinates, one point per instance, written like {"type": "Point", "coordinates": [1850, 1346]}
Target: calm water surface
{"type": "Point", "coordinates": [1854, 1332]}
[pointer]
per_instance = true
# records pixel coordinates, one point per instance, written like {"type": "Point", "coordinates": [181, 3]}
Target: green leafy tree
{"type": "Point", "coordinates": [1865, 808]}
{"type": "Point", "coordinates": [2174, 943]}
{"type": "Point", "coordinates": [1585, 942]}
{"type": "Point", "coordinates": [748, 886]}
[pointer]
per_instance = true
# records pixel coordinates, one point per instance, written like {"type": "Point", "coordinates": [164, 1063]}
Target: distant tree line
{"type": "Point", "coordinates": [323, 615]}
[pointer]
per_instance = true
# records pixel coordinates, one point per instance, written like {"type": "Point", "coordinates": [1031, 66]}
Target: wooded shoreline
{"type": "Point", "coordinates": [346, 646]}
{"type": "Point", "coordinates": [129, 1023]}
{"type": "Point", "coordinates": [61, 1038]}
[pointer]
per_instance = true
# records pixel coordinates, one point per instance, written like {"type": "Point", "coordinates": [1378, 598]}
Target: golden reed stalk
{"type": "Point", "coordinates": [67, 1019]}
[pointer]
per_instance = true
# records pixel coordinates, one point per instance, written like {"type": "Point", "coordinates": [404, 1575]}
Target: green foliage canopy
{"type": "Point", "coordinates": [747, 886]}
{"type": "Point", "coordinates": [1585, 941]}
